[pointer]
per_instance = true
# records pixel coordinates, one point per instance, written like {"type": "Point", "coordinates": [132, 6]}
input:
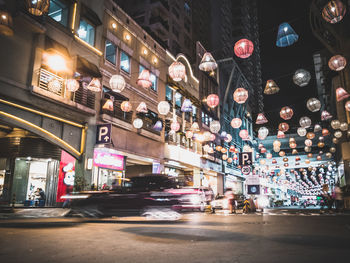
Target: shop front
{"type": "Point", "coordinates": [211, 175]}
{"type": "Point", "coordinates": [234, 180]}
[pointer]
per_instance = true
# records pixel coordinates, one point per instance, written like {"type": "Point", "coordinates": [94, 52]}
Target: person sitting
{"type": "Point", "coordinates": [41, 197]}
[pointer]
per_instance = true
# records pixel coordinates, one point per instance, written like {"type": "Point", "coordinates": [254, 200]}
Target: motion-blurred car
{"type": "Point", "coordinates": [144, 196]}
{"type": "Point", "coordinates": [221, 202]}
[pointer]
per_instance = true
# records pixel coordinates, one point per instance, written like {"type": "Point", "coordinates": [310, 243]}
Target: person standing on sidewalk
{"type": "Point", "coordinates": [230, 199]}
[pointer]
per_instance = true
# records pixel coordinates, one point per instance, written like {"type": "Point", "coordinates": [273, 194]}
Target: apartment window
{"type": "Point", "coordinates": [111, 52]}
{"type": "Point", "coordinates": [153, 78]}
{"type": "Point", "coordinates": [124, 62]}
{"type": "Point", "coordinates": [178, 99]}
{"type": "Point", "coordinates": [86, 32]}
{"type": "Point", "coordinates": [187, 8]}
{"type": "Point", "coordinates": [194, 113]}
{"type": "Point", "coordinates": [169, 95]}
{"type": "Point", "coordinates": [58, 11]}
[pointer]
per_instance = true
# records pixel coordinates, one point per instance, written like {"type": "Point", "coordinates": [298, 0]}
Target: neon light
{"type": "Point", "coordinates": [88, 45]}
{"type": "Point", "coordinates": [74, 15]}
{"type": "Point", "coordinates": [188, 63]}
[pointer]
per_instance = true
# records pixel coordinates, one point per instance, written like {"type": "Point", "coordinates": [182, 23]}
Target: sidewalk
{"type": "Point", "coordinates": [8, 213]}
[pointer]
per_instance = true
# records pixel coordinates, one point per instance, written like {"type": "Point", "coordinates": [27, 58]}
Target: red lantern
{"type": "Point", "coordinates": [232, 149]}
{"type": "Point", "coordinates": [274, 161]}
{"type": "Point", "coordinates": [263, 150]}
{"type": "Point", "coordinates": [244, 48]}
{"type": "Point", "coordinates": [244, 134]}
{"type": "Point", "coordinates": [144, 79]}
{"type": "Point", "coordinates": [218, 148]}
{"type": "Point", "coordinates": [286, 113]}
{"type": "Point", "coordinates": [280, 135]}
{"type": "Point", "coordinates": [337, 63]}
{"type": "Point", "coordinates": [223, 150]}
{"type": "Point", "coordinates": [319, 157]}
{"type": "Point", "coordinates": [310, 135]}
{"type": "Point", "coordinates": [293, 145]}
{"type": "Point", "coordinates": [261, 119]}
{"type": "Point", "coordinates": [213, 100]}
{"type": "Point", "coordinates": [126, 106]}
{"type": "Point", "coordinates": [297, 158]}
{"type": "Point", "coordinates": [341, 94]}
{"type": "Point", "coordinates": [283, 127]}
{"type": "Point", "coordinates": [240, 95]}
{"type": "Point", "coordinates": [325, 132]}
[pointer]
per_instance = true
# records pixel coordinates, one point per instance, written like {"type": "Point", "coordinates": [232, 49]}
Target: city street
{"type": "Point", "coordinates": [282, 236]}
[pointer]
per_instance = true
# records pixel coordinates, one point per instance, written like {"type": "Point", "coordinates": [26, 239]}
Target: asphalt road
{"type": "Point", "coordinates": [276, 237]}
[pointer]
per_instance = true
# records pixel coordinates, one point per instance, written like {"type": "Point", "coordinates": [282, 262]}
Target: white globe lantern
{"type": "Point", "coordinates": [301, 131]}
{"type": "Point", "coordinates": [138, 123]}
{"type": "Point", "coordinates": [308, 142]}
{"type": "Point", "coordinates": [236, 123]}
{"type": "Point", "coordinates": [305, 122]}
{"type": "Point", "coordinates": [262, 133]}
{"type": "Point", "coordinates": [228, 138]}
{"type": "Point", "coordinates": [338, 134]}
{"type": "Point", "coordinates": [313, 105]}
{"type": "Point", "coordinates": [117, 83]}
{"type": "Point", "coordinates": [335, 124]}
{"type": "Point", "coordinates": [177, 71]}
{"type": "Point", "coordinates": [301, 77]}
{"type": "Point", "coordinates": [215, 126]}
{"type": "Point", "coordinates": [72, 85]}
{"type": "Point", "coordinates": [163, 107]}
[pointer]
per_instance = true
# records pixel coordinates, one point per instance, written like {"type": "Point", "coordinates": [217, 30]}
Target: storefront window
{"type": "Point", "coordinates": [86, 32]}
{"type": "Point", "coordinates": [59, 11]}
{"type": "Point", "coordinates": [111, 51]}
{"type": "Point", "coordinates": [124, 62]}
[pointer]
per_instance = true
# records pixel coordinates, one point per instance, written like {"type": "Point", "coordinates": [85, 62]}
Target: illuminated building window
{"type": "Point", "coordinates": [153, 78]}
{"type": "Point", "coordinates": [124, 62]}
{"type": "Point", "coordinates": [59, 11]}
{"type": "Point", "coordinates": [169, 95]}
{"type": "Point", "coordinates": [86, 32]}
{"type": "Point", "coordinates": [111, 52]}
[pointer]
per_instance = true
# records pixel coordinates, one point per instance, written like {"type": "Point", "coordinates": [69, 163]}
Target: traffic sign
{"type": "Point", "coordinates": [253, 189]}
{"type": "Point", "coordinates": [104, 132]}
{"type": "Point", "coordinates": [246, 170]}
{"type": "Point", "coordinates": [245, 158]}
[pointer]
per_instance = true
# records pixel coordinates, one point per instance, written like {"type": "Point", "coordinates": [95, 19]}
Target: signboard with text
{"type": "Point", "coordinates": [245, 158]}
{"type": "Point", "coordinates": [104, 132]}
{"type": "Point", "coordinates": [107, 159]}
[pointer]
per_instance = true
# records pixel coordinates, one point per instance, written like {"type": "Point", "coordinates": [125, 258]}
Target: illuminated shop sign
{"type": "Point", "coordinates": [105, 158]}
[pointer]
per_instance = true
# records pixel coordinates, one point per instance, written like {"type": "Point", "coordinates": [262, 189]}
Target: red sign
{"type": "Point", "coordinates": [66, 176]}
{"type": "Point", "coordinates": [106, 158]}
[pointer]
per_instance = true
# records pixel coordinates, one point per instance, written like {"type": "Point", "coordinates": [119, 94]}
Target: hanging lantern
{"type": "Point", "coordinates": [335, 124]}
{"type": "Point", "coordinates": [268, 155]}
{"type": "Point", "coordinates": [228, 138]}
{"type": "Point", "coordinates": [223, 135]}
{"type": "Point", "coordinates": [286, 36]}
{"type": "Point", "coordinates": [281, 153]}
{"type": "Point", "coordinates": [142, 108]}
{"type": "Point", "coordinates": [301, 77]}
{"type": "Point", "coordinates": [189, 134]}
{"type": "Point", "coordinates": [338, 134]}
{"type": "Point", "coordinates": [310, 135]}
{"type": "Point", "coordinates": [244, 48]}
{"type": "Point", "coordinates": [309, 155]}
{"type": "Point", "coordinates": [283, 126]}
{"type": "Point", "coordinates": [347, 105]}
{"type": "Point", "coordinates": [230, 160]}
{"type": "Point", "coordinates": [328, 155]}
{"type": "Point", "coordinates": [335, 140]}
{"type": "Point", "coordinates": [158, 126]}
{"type": "Point", "coordinates": [175, 126]}
{"type": "Point", "coordinates": [213, 100]}
{"type": "Point", "coordinates": [293, 145]}
{"type": "Point", "coordinates": [276, 149]}
{"type": "Point", "coordinates": [72, 85]}
{"type": "Point", "coordinates": [232, 149]}
{"type": "Point", "coordinates": [295, 152]}
{"type": "Point", "coordinates": [260, 146]}
{"type": "Point", "coordinates": [297, 159]}
{"type": "Point", "coordinates": [271, 87]}
{"type": "Point", "coordinates": [332, 149]}
{"type": "Point", "coordinates": [177, 71]}
{"type": "Point", "coordinates": [206, 148]}
{"type": "Point", "coordinates": [108, 105]}
{"type": "Point", "coordinates": [308, 142]}
{"type": "Point", "coordinates": [320, 144]}
{"type": "Point", "coordinates": [38, 7]}
{"type": "Point", "coordinates": [274, 161]}
{"type": "Point", "coordinates": [286, 113]}
{"type": "Point", "coordinates": [262, 133]}
{"type": "Point", "coordinates": [307, 161]}
{"type": "Point", "coordinates": [291, 140]}
{"type": "Point", "coordinates": [186, 106]}
{"type": "Point", "coordinates": [313, 105]}
{"type": "Point", "coordinates": [247, 148]}
{"type": "Point", "coordinates": [307, 149]}
{"type": "Point", "coordinates": [319, 157]}
{"type": "Point", "coordinates": [276, 143]}
{"type": "Point", "coordinates": [317, 128]}
{"type": "Point", "coordinates": [144, 79]}
{"type": "Point", "coordinates": [236, 123]}
{"type": "Point", "coordinates": [224, 157]}
{"type": "Point", "coordinates": [341, 94]}
{"type": "Point", "coordinates": [199, 137]}
{"type": "Point", "coordinates": [223, 150]}
{"type": "Point", "coordinates": [334, 11]}
{"type": "Point", "coordinates": [215, 126]}
{"type": "Point", "coordinates": [280, 135]}
{"type": "Point", "coordinates": [207, 135]}
{"type": "Point", "coordinates": [138, 123]}
{"type": "Point", "coordinates": [305, 122]}
{"type": "Point", "coordinates": [218, 148]}
{"type": "Point", "coordinates": [325, 132]}
{"type": "Point", "coordinates": [208, 63]}
{"type": "Point", "coordinates": [343, 126]}
{"type": "Point", "coordinates": [195, 127]}
{"type": "Point", "coordinates": [285, 159]}
{"type": "Point", "coordinates": [261, 119]}
{"type": "Point", "coordinates": [212, 137]}
{"type": "Point", "coordinates": [337, 63]}
{"type": "Point", "coordinates": [263, 150]}
{"type": "Point", "coordinates": [126, 106]}
{"type": "Point", "coordinates": [240, 95]}
{"type": "Point", "coordinates": [94, 85]}
{"type": "Point", "coordinates": [325, 115]}
{"type": "Point", "coordinates": [262, 162]}
{"type": "Point", "coordinates": [163, 107]}
{"type": "Point", "coordinates": [6, 26]}
{"type": "Point", "coordinates": [243, 134]}
{"type": "Point", "coordinates": [117, 83]}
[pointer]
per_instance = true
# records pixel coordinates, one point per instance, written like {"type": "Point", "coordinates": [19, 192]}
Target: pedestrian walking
{"type": "Point", "coordinates": [338, 198]}
{"type": "Point", "coordinates": [231, 199]}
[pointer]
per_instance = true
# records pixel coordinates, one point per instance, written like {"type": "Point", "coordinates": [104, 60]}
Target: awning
{"type": "Point", "coordinates": [85, 67]}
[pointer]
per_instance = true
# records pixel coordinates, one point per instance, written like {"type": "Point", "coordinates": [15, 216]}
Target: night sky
{"type": "Point", "coordinates": [280, 64]}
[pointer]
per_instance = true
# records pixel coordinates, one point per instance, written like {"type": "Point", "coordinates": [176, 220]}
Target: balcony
{"type": "Point", "coordinates": [148, 126]}
{"type": "Point", "coordinates": [118, 114]}
{"type": "Point", "coordinates": [160, 20]}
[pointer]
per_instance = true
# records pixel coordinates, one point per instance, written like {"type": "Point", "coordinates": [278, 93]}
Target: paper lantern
{"type": "Point", "coordinates": [94, 85]}
{"type": "Point", "coordinates": [297, 159]}
{"type": "Point", "coordinates": [286, 36]}
{"type": "Point", "coordinates": [215, 126]}
{"type": "Point", "coordinates": [163, 107]}
{"type": "Point", "coordinates": [274, 161]}
{"type": "Point", "coordinates": [268, 155]}
{"type": "Point", "coordinates": [325, 115]}
{"type": "Point", "coordinates": [280, 135]}
{"type": "Point", "coordinates": [309, 155]}
{"type": "Point", "coordinates": [223, 135]}
{"type": "Point", "coordinates": [262, 161]}
{"type": "Point", "coordinates": [229, 160]}
{"type": "Point", "coordinates": [208, 63]}
{"type": "Point", "coordinates": [186, 106]}
{"type": "Point", "coordinates": [320, 144]}
{"type": "Point", "coordinates": [294, 151]}
{"type": "Point", "coordinates": [232, 149]}
{"type": "Point", "coordinates": [262, 133]}
{"type": "Point", "coordinates": [108, 105]}
{"type": "Point", "coordinates": [328, 155]}
{"type": "Point", "coordinates": [325, 132]}
{"type": "Point", "coordinates": [189, 134]}
{"type": "Point", "coordinates": [158, 126]}
{"type": "Point", "coordinates": [261, 119]}
{"type": "Point", "coordinates": [319, 157]}
{"type": "Point", "coordinates": [343, 126]}
{"type": "Point", "coordinates": [301, 77]}
{"type": "Point", "coordinates": [347, 105]}
{"type": "Point", "coordinates": [243, 134]}
{"type": "Point", "coordinates": [276, 143]}
{"type": "Point", "coordinates": [341, 94]}
{"type": "Point", "coordinates": [281, 153]}
{"type": "Point", "coordinates": [317, 128]}
{"type": "Point", "coordinates": [212, 137]}
{"type": "Point", "coordinates": [218, 148]}
{"type": "Point", "coordinates": [335, 140]}
{"type": "Point", "coordinates": [175, 126]}
{"type": "Point", "coordinates": [338, 134]}
{"type": "Point", "coordinates": [313, 105]}
{"type": "Point", "coordinates": [38, 7]}
{"type": "Point", "coordinates": [305, 122]}
{"type": "Point", "coordinates": [308, 142]}
{"type": "Point", "coordinates": [213, 100]}
{"type": "Point", "coordinates": [263, 150]}
{"type": "Point", "coordinates": [117, 83]}
{"type": "Point", "coordinates": [247, 148]}
{"type": "Point", "coordinates": [240, 95]}
{"type": "Point", "coordinates": [310, 135]}
{"type": "Point", "coordinates": [207, 135]}
{"type": "Point", "coordinates": [286, 113]}
{"type": "Point", "coordinates": [177, 71]}
{"type": "Point", "coordinates": [138, 123]}
{"type": "Point", "coordinates": [142, 108]}
{"type": "Point", "coordinates": [228, 138]}
{"type": "Point", "coordinates": [332, 149]}
{"type": "Point", "coordinates": [292, 145]}
{"type": "Point", "coordinates": [271, 87]}
{"type": "Point", "coordinates": [285, 159]}
{"type": "Point", "coordinates": [206, 148]}
{"type": "Point", "coordinates": [283, 127]}
{"type": "Point", "coordinates": [334, 11]}
{"type": "Point", "coordinates": [195, 126]}
{"type": "Point", "coordinates": [224, 157]}
{"type": "Point", "coordinates": [335, 124]}
{"type": "Point", "coordinates": [337, 63]}
{"type": "Point", "coordinates": [6, 26]}
{"type": "Point", "coordinates": [144, 79]}
{"type": "Point", "coordinates": [72, 85]}
{"type": "Point", "coordinates": [307, 149]}
{"type": "Point", "coordinates": [236, 123]}
{"type": "Point", "coordinates": [223, 150]}
{"type": "Point", "coordinates": [307, 161]}
{"type": "Point", "coordinates": [244, 48]}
